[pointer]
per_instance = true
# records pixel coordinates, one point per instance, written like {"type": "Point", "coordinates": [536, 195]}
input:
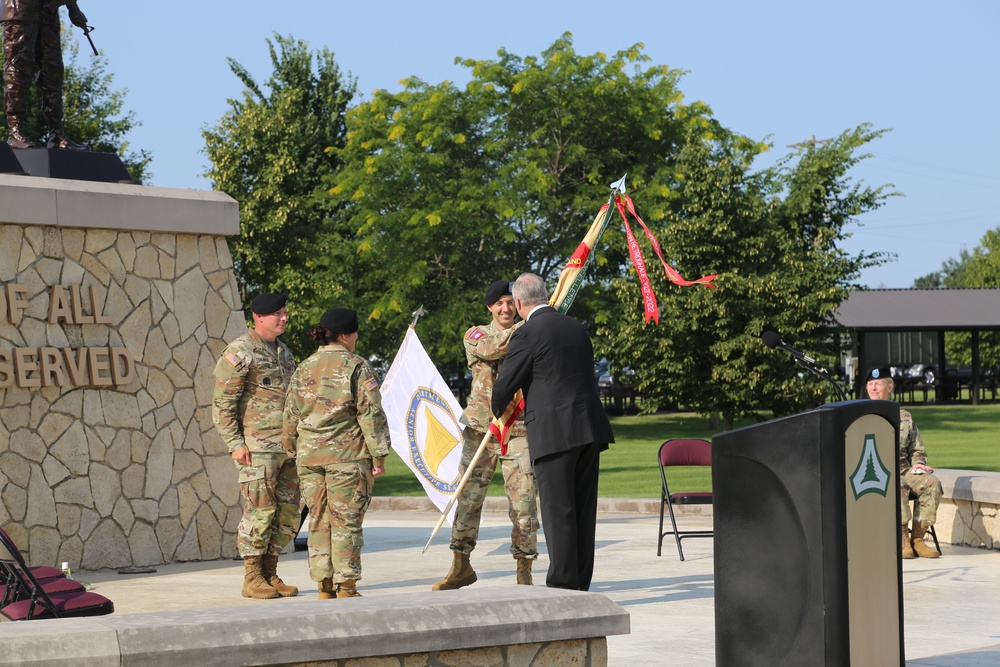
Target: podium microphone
{"type": "Point", "coordinates": [773, 340]}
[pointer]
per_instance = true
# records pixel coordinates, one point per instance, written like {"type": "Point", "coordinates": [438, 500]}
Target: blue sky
{"type": "Point", "coordinates": [776, 70]}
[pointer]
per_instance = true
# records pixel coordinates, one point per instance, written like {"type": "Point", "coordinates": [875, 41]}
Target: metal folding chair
{"type": "Point", "coordinates": [682, 452]}
{"type": "Point", "coordinates": [35, 602]}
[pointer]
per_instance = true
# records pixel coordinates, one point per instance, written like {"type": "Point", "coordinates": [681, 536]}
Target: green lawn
{"type": "Point", "coordinates": [956, 436]}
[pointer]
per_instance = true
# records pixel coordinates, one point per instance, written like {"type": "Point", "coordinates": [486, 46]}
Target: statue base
{"type": "Point", "coordinates": [76, 165]}
{"type": "Point", "coordinates": [8, 161]}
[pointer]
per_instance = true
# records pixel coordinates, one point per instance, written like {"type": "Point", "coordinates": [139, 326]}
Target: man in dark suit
{"type": "Point", "coordinates": [551, 360]}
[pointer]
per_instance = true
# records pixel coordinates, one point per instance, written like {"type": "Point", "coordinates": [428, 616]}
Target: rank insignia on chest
{"type": "Point", "coordinates": [475, 334]}
{"type": "Point", "coordinates": [266, 382]}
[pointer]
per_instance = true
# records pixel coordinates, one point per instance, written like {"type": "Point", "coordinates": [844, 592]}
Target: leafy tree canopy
{"type": "Point", "coordinates": [449, 189]}
{"type": "Point", "coordinates": [978, 268]}
{"type": "Point", "coordinates": [772, 236]}
{"type": "Point", "coordinates": [427, 195]}
{"type": "Point", "coordinates": [271, 151]}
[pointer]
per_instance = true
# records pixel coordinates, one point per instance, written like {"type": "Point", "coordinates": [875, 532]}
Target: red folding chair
{"type": "Point", "coordinates": [682, 452]}
{"type": "Point", "coordinates": [39, 603]}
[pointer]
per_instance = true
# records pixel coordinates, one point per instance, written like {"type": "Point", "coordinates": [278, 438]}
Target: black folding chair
{"type": "Point", "coordinates": [682, 452]}
{"type": "Point", "coordinates": [35, 601]}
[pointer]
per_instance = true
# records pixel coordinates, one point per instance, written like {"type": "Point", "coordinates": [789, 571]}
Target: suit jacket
{"type": "Point", "coordinates": [551, 360]}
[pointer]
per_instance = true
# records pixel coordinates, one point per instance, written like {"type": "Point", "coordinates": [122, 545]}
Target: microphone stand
{"type": "Point", "coordinates": [823, 374]}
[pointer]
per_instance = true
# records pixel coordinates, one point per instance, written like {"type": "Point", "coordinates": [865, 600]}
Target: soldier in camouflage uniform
{"type": "Point", "coordinates": [335, 427]}
{"type": "Point", "coordinates": [485, 348]}
{"type": "Point", "coordinates": [914, 474]}
{"type": "Point", "coordinates": [250, 383]}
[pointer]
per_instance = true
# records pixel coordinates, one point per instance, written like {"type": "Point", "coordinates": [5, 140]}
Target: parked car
{"type": "Point", "coordinates": [928, 373]}
{"type": "Point", "coordinates": [606, 380]}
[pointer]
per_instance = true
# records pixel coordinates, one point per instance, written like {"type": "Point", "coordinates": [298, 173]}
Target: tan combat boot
{"type": "Point", "coordinates": [327, 591]}
{"type": "Point", "coordinates": [461, 574]}
{"type": "Point", "coordinates": [254, 585]}
{"type": "Point", "coordinates": [907, 548]}
{"type": "Point", "coordinates": [270, 572]}
{"type": "Point", "coordinates": [919, 547]}
{"type": "Point", "coordinates": [348, 588]}
{"type": "Point", "coordinates": [524, 571]}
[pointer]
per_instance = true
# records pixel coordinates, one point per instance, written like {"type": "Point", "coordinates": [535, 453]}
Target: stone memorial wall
{"type": "Point", "coordinates": [115, 303]}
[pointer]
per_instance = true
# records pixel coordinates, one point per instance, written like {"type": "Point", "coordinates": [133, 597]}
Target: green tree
{"type": "Point", "coordinates": [772, 236]}
{"type": "Point", "coordinates": [450, 189]}
{"type": "Point", "coordinates": [952, 273]}
{"type": "Point", "coordinates": [271, 151]}
{"type": "Point", "coordinates": [93, 112]}
{"type": "Point", "coordinates": [979, 268]}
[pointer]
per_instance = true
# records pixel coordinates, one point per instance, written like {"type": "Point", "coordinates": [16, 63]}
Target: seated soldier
{"type": "Point", "coordinates": [914, 474]}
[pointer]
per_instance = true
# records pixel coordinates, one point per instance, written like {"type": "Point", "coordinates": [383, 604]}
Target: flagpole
{"type": "Point", "coordinates": [458, 489]}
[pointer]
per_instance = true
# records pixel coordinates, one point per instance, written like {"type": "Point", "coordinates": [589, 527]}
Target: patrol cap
{"type": "Point", "coordinates": [879, 373]}
{"type": "Point", "coordinates": [340, 320]}
{"type": "Point", "coordinates": [496, 290]}
{"type": "Point", "coordinates": [268, 303]}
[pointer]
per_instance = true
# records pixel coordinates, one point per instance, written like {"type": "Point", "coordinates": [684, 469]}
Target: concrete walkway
{"type": "Point", "coordinates": [952, 606]}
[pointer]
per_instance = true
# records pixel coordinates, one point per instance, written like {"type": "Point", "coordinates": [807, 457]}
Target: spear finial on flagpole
{"type": "Point", "coordinates": [618, 187]}
{"type": "Point", "coordinates": [417, 314]}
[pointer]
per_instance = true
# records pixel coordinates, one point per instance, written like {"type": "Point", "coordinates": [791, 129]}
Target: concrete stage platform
{"type": "Point", "coordinates": [951, 603]}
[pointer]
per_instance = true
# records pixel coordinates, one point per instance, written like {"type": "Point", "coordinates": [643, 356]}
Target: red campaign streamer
{"type": "Point", "coordinates": [648, 297]}
{"type": "Point", "coordinates": [672, 273]}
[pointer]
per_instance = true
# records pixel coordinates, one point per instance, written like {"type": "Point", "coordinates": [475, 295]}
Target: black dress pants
{"type": "Point", "coordinates": [567, 490]}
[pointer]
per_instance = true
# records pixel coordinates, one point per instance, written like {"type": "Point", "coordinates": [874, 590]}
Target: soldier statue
{"type": "Point", "coordinates": [33, 54]}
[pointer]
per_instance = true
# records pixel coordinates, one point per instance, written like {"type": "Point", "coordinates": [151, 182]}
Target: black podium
{"type": "Point", "coordinates": [807, 548]}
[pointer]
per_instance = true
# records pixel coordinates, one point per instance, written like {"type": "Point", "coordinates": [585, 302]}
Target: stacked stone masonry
{"type": "Point", "coordinates": [582, 652]}
{"type": "Point", "coordinates": [968, 523]}
{"type": "Point", "coordinates": [132, 475]}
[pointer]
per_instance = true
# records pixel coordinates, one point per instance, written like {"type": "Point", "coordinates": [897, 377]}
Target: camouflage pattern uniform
{"type": "Point", "coordinates": [335, 426]}
{"type": "Point", "coordinates": [250, 385]}
{"type": "Point", "coordinates": [485, 348]}
{"type": "Point", "coordinates": [926, 487]}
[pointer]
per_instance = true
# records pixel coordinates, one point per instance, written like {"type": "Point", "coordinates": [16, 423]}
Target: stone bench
{"type": "Point", "coordinates": [523, 626]}
{"type": "Point", "coordinates": [967, 514]}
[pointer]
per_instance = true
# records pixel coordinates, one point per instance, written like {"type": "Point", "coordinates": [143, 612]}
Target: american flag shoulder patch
{"type": "Point", "coordinates": [233, 359]}
{"type": "Point", "coordinates": [474, 334]}
{"type": "Point", "coordinates": [371, 384]}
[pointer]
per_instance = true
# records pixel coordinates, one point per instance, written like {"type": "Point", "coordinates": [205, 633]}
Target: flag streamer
{"type": "Point", "coordinates": [623, 203]}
